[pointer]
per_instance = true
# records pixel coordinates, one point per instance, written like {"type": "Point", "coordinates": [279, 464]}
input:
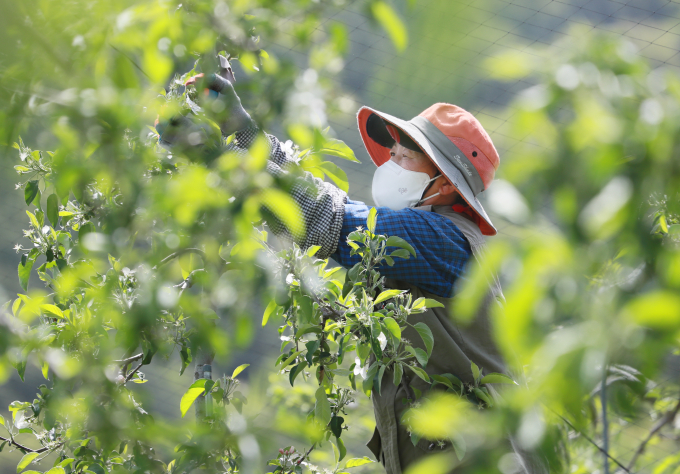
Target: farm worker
{"type": "Point", "coordinates": [430, 170]}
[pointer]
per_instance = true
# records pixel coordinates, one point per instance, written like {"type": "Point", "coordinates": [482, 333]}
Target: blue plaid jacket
{"type": "Point", "coordinates": [442, 251]}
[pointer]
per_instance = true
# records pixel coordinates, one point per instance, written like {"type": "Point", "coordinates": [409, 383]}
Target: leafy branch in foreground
{"type": "Point", "coordinates": [348, 332]}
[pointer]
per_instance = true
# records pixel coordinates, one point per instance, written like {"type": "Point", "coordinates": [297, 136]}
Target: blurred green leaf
{"type": "Point", "coordinates": [322, 409]}
{"type": "Point", "coordinates": [390, 21]}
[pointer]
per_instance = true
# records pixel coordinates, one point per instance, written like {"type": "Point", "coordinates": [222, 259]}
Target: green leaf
{"type": "Point", "coordinates": [295, 371]}
{"type": "Point", "coordinates": [674, 230]}
{"type": "Point", "coordinates": [312, 347]}
{"type": "Point", "coordinates": [390, 21]}
{"type": "Point", "coordinates": [420, 373]}
{"type": "Point", "coordinates": [475, 370]}
{"type": "Point", "coordinates": [271, 307]}
{"type": "Point", "coordinates": [398, 373]}
{"type": "Point", "coordinates": [426, 303]}
{"type": "Point", "coordinates": [442, 380]}
{"type": "Point", "coordinates": [322, 410]}
{"type": "Point", "coordinates": [34, 220]}
{"type": "Point", "coordinates": [190, 396]}
{"type": "Point", "coordinates": [401, 243]}
{"type": "Point", "coordinates": [393, 327]}
{"type": "Point", "coordinates": [336, 425]}
{"type": "Point", "coordinates": [66, 462]}
{"type": "Point", "coordinates": [26, 460]}
{"type": "Point", "coordinates": [497, 378]}
{"type": "Point", "coordinates": [421, 356]}
{"type": "Point", "coordinates": [400, 253]}
{"type": "Point", "coordinates": [483, 396]}
{"type": "Point", "coordinates": [311, 251]}
{"type": "Point", "coordinates": [372, 220]}
{"type": "Point", "coordinates": [356, 462]}
{"type": "Point", "coordinates": [426, 335]}
{"type": "Point", "coordinates": [336, 173]}
{"type": "Point", "coordinates": [45, 370]}
{"type": "Point", "coordinates": [53, 209]}
{"type": "Point", "coordinates": [25, 267]}
{"type": "Point", "coordinates": [31, 191]}
{"type": "Point", "coordinates": [185, 355]}
{"type": "Point", "coordinates": [381, 373]}
{"type": "Point", "coordinates": [52, 309]}
{"type": "Point", "coordinates": [459, 445]}
{"type": "Point", "coordinates": [341, 447]}
{"type": "Point", "coordinates": [290, 359]}
{"type": "Point", "coordinates": [306, 309]}
{"type": "Point", "coordinates": [386, 295]}
{"type": "Point", "coordinates": [56, 470]}
{"type": "Point", "coordinates": [238, 370]}
{"type": "Point", "coordinates": [338, 148]}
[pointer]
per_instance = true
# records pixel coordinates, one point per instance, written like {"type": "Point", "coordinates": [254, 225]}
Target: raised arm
{"type": "Point", "coordinates": [321, 203]}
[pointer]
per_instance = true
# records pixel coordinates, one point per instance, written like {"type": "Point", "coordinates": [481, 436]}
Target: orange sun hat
{"type": "Point", "coordinates": [450, 136]}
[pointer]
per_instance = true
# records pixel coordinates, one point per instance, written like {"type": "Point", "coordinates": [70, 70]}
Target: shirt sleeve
{"type": "Point", "coordinates": [442, 251]}
{"type": "Point", "coordinates": [322, 204]}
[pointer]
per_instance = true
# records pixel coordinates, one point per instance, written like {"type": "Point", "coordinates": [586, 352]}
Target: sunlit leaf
{"type": "Point", "coordinates": [372, 219]}
{"type": "Point", "coordinates": [271, 307]}
{"type": "Point", "coordinates": [26, 460]}
{"type": "Point", "coordinates": [238, 370]}
{"type": "Point", "coordinates": [386, 295]}
{"type": "Point", "coordinates": [195, 390]}
{"type": "Point", "coordinates": [390, 21]}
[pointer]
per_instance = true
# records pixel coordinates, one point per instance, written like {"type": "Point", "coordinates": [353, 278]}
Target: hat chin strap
{"type": "Point", "coordinates": [428, 188]}
{"type": "Point", "coordinates": [429, 197]}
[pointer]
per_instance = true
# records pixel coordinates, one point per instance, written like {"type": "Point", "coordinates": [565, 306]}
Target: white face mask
{"type": "Point", "coordinates": [399, 188]}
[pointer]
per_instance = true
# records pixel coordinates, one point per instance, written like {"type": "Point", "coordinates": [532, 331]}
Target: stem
{"type": "Point", "coordinates": [129, 359]}
{"type": "Point", "coordinates": [203, 370]}
{"type": "Point", "coordinates": [132, 374]}
{"type": "Point", "coordinates": [302, 459]}
{"type": "Point", "coordinates": [605, 424]}
{"type": "Point", "coordinates": [178, 254]}
{"type": "Point", "coordinates": [591, 442]}
{"type": "Point", "coordinates": [667, 418]}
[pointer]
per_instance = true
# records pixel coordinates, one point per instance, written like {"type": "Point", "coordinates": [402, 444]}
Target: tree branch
{"type": "Point", "coordinates": [178, 254]}
{"type": "Point", "coordinates": [667, 418]}
{"type": "Point", "coordinates": [132, 374]}
{"type": "Point", "coordinates": [129, 359]}
{"type": "Point", "coordinates": [24, 448]}
{"type": "Point", "coordinates": [592, 442]}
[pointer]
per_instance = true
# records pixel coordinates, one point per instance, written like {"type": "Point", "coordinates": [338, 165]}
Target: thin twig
{"type": "Point", "coordinates": [592, 442]}
{"type": "Point", "coordinates": [130, 59]}
{"type": "Point", "coordinates": [605, 425]}
{"type": "Point", "coordinates": [302, 459]}
{"type": "Point", "coordinates": [129, 359]}
{"type": "Point", "coordinates": [24, 448]}
{"type": "Point", "coordinates": [177, 254]}
{"type": "Point", "coordinates": [667, 418]}
{"type": "Point", "coordinates": [132, 374]}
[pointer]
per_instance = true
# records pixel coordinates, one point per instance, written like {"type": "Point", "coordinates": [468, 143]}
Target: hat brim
{"type": "Point", "coordinates": [380, 154]}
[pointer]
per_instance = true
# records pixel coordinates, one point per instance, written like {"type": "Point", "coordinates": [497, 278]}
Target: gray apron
{"type": "Point", "coordinates": [455, 346]}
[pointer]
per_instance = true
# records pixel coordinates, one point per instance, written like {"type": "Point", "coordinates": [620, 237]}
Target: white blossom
{"type": "Point", "coordinates": [383, 341]}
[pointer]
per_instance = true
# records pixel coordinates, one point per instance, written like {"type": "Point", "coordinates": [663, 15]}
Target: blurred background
{"type": "Point", "coordinates": [483, 55]}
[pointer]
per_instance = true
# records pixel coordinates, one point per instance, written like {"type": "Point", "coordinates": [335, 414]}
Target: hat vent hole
{"type": "Point", "coordinates": [474, 153]}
